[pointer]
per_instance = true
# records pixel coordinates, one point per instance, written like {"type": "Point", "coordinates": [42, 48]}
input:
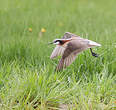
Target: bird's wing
{"type": "Point", "coordinates": [63, 63]}
{"type": "Point", "coordinates": [68, 35]}
{"type": "Point", "coordinates": [58, 51]}
{"type": "Point", "coordinates": [72, 50]}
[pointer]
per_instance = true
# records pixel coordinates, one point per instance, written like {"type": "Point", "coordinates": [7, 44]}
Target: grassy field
{"type": "Point", "coordinates": [27, 77]}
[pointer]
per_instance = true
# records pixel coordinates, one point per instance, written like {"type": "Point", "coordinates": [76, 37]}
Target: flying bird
{"type": "Point", "coordinates": [68, 47]}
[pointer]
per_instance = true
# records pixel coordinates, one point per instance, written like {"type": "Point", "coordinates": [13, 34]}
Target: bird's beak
{"type": "Point", "coordinates": [50, 43]}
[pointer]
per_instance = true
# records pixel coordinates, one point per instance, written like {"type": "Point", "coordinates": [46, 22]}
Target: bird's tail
{"type": "Point", "coordinates": [92, 44]}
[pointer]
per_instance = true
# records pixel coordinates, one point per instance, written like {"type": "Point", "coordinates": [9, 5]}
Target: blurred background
{"type": "Point", "coordinates": [27, 26]}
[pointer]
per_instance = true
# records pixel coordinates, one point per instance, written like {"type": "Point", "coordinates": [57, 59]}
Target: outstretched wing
{"type": "Point", "coordinates": [63, 63]}
{"type": "Point", "coordinates": [58, 51]}
{"type": "Point", "coordinates": [70, 54]}
{"type": "Point", "coordinates": [69, 35]}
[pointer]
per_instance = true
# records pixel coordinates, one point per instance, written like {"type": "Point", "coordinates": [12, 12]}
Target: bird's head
{"type": "Point", "coordinates": [59, 41]}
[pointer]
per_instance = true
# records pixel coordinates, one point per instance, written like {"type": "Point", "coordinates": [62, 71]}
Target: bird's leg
{"type": "Point", "coordinates": [93, 54]}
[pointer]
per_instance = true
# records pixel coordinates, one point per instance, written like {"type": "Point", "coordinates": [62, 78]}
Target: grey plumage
{"type": "Point", "coordinates": [69, 47]}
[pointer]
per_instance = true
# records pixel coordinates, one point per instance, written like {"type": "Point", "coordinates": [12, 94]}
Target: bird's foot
{"type": "Point", "coordinates": [94, 54]}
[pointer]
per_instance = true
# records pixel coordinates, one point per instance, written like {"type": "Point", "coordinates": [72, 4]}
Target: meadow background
{"type": "Point", "coordinates": [27, 77]}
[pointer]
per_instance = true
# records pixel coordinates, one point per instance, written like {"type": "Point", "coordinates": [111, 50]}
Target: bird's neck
{"type": "Point", "coordinates": [64, 41]}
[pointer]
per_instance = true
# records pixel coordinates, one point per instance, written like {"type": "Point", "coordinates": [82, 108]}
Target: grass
{"type": "Point", "coordinates": [27, 77]}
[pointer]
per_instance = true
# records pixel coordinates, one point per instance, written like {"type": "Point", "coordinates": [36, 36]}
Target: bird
{"type": "Point", "coordinates": [68, 47]}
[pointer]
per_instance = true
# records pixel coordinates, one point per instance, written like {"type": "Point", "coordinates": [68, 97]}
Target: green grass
{"type": "Point", "coordinates": [27, 77]}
